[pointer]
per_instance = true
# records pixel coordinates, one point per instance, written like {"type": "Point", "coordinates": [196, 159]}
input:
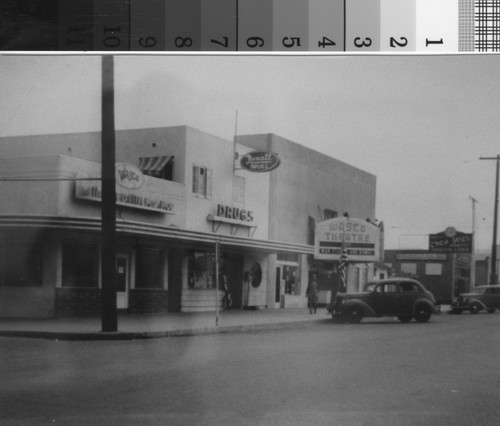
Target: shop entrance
{"type": "Point", "coordinates": [278, 289]}
{"type": "Point", "coordinates": [122, 280]}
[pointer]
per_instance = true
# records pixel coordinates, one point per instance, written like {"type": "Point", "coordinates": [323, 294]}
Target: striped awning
{"type": "Point", "coordinates": [154, 164]}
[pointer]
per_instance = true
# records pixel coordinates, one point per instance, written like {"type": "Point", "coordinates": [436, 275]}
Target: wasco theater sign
{"type": "Point", "coordinates": [361, 240]}
{"type": "Point", "coordinates": [132, 190]}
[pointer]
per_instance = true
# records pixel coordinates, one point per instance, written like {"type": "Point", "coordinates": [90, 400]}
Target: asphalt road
{"type": "Point", "coordinates": [445, 372]}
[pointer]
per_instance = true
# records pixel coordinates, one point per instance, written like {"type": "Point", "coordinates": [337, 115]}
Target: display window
{"type": "Point", "coordinates": [149, 266]}
{"type": "Point", "coordinates": [291, 278]}
{"type": "Point", "coordinates": [80, 265]}
{"type": "Point", "coordinates": [201, 270]}
{"type": "Point", "coordinates": [21, 264]}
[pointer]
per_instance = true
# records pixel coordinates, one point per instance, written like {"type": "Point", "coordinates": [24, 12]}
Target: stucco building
{"type": "Point", "coordinates": [179, 192]}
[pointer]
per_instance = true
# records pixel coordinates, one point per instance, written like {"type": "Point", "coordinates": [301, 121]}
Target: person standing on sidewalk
{"type": "Point", "coordinates": [312, 295]}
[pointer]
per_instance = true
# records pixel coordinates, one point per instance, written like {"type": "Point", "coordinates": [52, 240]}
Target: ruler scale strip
{"type": "Point", "coordinates": [355, 26]}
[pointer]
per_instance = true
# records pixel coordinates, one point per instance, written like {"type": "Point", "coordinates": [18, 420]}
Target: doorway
{"type": "Point", "coordinates": [122, 280]}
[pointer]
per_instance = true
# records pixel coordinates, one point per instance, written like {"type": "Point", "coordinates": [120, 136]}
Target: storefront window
{"type": "Point", "coordinates": [149, 268]}
{"type": "Point", "coordinates": [201, 272]}
{"type": "Point", "coordinates": [80, 266]}
{"type": "Point", "coordinates": [290, 276]}
{"type": "Point", "coordinates": [21, 265]}
{"type": "Point", "coordinates": [433, 269]}
{"type": "Point", "coordinates": [409, 268]}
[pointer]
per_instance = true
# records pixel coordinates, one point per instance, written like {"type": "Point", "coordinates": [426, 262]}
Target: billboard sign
{"type": "Point", "coordinates": [450, 241]}
{"type": "Point", "coordinates": [361, 240]}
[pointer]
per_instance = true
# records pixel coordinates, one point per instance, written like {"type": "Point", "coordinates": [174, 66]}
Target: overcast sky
{"type": "Point", "coordinates": [419, 123]}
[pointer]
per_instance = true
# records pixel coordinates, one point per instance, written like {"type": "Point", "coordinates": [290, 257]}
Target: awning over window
{"type": "Point", "coordinates": [154, 164]}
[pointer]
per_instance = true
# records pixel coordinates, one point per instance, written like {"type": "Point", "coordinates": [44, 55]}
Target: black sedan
{"type": "Point", "coordinates": [481, 298]}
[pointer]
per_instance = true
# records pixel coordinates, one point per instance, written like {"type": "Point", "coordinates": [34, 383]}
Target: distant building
{"type": "Point", "coordinates": [179, 190]}
{"type": "Point", "coordinates": [444, 274]}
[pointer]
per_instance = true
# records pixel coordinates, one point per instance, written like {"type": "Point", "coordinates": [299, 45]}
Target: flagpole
{"type": "Point", "coordinates": [234, 142]}
{"type": "Point", "coordinates": [343, 264]}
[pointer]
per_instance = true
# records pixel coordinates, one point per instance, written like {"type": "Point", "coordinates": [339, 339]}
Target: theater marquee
{"type": "Point", "coordinates": [360, 238]}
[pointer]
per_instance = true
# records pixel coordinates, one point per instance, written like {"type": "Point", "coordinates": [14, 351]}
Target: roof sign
{"type": "Point", "coordinates": [260, 161]}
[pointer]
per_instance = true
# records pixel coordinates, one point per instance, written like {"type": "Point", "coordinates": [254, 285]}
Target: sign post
{"type": "Point", "coordinates": [217, 259]}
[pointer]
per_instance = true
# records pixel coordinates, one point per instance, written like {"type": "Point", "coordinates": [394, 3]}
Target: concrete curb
{"type": "Point", "coordinates": [124, 335]}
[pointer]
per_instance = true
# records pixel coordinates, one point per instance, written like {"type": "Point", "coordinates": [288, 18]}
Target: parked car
{"type": "Point", "coordinates": [481, 298]}
{"type": "Point", "coordinates": [403, 298]}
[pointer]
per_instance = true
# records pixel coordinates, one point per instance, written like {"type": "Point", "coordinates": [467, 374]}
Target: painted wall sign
{"type": "Point", "coordinates": [421, 256]}
{"type": "Point", "coordinates": [128, 176]}
{"type": "Point", "coordinates": [361, 239]}
{"type": "Point", "coordinates": [450, 241]}
{"type": "Point", "coordinates": [128, 193]}
{"type": "Point", "coordinates": [260, 161]}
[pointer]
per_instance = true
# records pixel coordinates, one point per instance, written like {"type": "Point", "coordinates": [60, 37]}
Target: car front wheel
{"type": "Point", "coordinates": [491, 310]}
{"type": "Point", "coordinates": [423, 313]}
{"type": "Point", "coordinates": [475, 308]}
{"type": "Point", "coordinates": [354, 315]}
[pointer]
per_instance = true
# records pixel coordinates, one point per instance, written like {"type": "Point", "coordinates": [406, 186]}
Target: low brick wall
{"type": "Point", "coordinates": [148, 301]}
{"type": "Point", "coordinates": [87, 301]}
{"type": "Point", "coordinates": [77, 301]}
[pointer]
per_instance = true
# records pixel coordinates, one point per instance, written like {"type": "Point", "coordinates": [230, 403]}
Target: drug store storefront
{"type": "Point", "coordinates": [53, 226]}
{"type": "Point", "coordinates": [50, 245]}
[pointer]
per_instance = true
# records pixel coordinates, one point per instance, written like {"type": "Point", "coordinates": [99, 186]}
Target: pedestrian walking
{"type": "Point", "coordinates": [312, 295]}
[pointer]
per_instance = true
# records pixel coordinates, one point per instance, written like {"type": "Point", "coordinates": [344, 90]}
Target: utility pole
{"type": "Point", "coordinates": [493, 276]}
{"type": "Point", "coordinates": [472, 281]}
{"type": "Point", "coordinates": [109, 316]}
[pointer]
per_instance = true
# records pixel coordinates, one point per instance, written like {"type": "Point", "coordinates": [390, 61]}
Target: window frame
{"type": "Point", "coordinates": [31, 251]}
{"type": "Point", "coordinates": [433, 264]}
{"type": "Point", "coordinates": [201, 182]}
{"type": "Point", "coordinates": [413, 270]}
{"type": "Point", "coordinates": [89, 247]}
{"type": "Point", "coordinates": [238, 190]}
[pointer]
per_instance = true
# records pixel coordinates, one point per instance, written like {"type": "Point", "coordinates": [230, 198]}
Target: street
{"type": "Point", "coordinates": [379, 372]}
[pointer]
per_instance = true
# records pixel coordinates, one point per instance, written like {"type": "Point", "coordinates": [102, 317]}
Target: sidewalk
{"type": "Point", "coordinates": [133, 326]}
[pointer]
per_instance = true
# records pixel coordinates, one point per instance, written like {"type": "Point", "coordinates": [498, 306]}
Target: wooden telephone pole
{"type": "Point", "coordinates": [109, 316]}
{"type": "Point", "coordinates": [493, 275]}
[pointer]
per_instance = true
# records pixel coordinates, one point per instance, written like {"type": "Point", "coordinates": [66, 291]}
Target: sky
{"type": "Point", "coordinates": [419, 123]}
